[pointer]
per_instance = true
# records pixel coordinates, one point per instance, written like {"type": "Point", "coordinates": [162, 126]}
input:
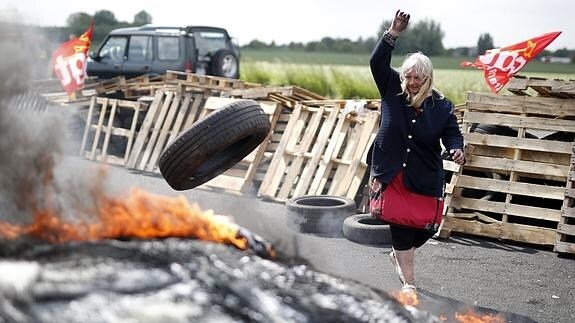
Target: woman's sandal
{"type": "Point", "coordinates": [408, 288]}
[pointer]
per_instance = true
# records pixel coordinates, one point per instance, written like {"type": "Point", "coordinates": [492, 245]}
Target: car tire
{"type": "Point", "coordinates": [214, 144]}
{"type": "Point", "coordinates": [225, 63]}
{"type": "Point", "coordinates": [322, 214]}
{"type": "Point", "coordinates": [363, 229]}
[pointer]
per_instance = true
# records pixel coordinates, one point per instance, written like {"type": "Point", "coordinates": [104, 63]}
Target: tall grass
{"type": "Point", "coordinates": [312, 78]}
{"type": "Point", "coordinates": [356, 82]}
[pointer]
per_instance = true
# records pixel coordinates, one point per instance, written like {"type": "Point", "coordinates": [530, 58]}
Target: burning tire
{"type": "Point", "coordinates": [319, 213]}
{"type": "Point", "coordinates": [214, 144]}
{"type": "Point", "coordinates": [361, 228]}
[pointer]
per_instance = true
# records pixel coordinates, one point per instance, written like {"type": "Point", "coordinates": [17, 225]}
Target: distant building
{"type": "Point", "coordinates": [555, 59]}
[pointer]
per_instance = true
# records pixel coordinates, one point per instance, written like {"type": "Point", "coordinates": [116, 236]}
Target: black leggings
{"type": "Point", "coordinates": [403, 238]}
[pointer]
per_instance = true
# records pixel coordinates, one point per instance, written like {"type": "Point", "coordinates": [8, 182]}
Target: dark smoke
{"type": "Point", "coordinates": [33, 141]}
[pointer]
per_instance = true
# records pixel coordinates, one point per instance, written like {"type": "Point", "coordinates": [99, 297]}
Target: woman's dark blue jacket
{"type": "Point", "coordinates": [408, 140]}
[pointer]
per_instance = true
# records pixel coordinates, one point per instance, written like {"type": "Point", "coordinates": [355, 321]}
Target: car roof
{"type": "Point", "coordinates": [174, 30]}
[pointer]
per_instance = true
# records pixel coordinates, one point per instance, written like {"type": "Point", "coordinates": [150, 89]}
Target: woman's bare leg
{"type": "Point", "coordinates": [406, 261]}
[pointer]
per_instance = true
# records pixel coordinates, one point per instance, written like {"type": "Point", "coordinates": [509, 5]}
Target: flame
{"type": "Point", "coordinates": [140, 215]}
{"type": "Point", "coordinates": [472, 317]}
{"type": "Point", "coordinates": [409, 298]}
{"type": "Point", "coordinates": [406, 298]}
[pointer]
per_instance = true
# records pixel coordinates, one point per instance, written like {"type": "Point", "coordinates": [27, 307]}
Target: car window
{"type": "Point", "coordinates": [114, 49]}
{"type": "Point", "coordinates": [210, 41]}
{"type": "Point", "coordinates": [168, 48]}
{"type": "Point", "coordinates": [140, 48]}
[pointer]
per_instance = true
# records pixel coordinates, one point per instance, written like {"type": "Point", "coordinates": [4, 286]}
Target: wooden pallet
{"type": "Point", "coordinates": [517, 182]}
{"type": "Point", "coordinates": [29, 101]}
{"type": "Point", "coordinates": [102, 120]}
{"type": "Point", "coordinates": [565, 240]}
{"type": "Point", "coordinates": [170, 113]}
{"type": "Point", "coordinates": [144, 86]}
{"type": "Point", "coordinates": [321, 152]}
{"type": "Point", "coordinates": [521, 85]}
{"type": "Point", "coordinates": [286, 95]}
{"type": "Point", "coordinates": [192, 81]}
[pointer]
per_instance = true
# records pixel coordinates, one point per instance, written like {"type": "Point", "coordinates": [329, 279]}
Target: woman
{"type": "Point", "coordinates": [406, 154]}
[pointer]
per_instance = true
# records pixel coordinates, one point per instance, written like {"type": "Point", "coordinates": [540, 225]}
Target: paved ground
{"type": "Point", "coordinates": [521, 279]}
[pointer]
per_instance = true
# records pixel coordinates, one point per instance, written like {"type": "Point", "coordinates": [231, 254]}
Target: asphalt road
{"type": "Point", "coordinates": [526, 280]}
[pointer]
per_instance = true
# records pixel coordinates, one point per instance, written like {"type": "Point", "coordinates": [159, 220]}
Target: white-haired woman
{"type": "Point", "coordinates": [405, 158]}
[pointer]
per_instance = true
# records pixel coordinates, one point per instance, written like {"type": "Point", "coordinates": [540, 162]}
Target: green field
{"type": "Point", "coordinates": [347, 76]}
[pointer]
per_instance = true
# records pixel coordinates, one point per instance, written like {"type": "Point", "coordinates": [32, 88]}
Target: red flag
{"type": "Point", "coordinates": [501, 64]}
{"type": "Point", "coordinates": [69, 61]}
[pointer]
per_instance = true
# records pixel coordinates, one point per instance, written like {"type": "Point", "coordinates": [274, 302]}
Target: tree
{"type": "Point", "coordinates": [484, 43]}
{"type": "Point", "coordinates": [78, 23]}
{"type": "Point", "coordinates": [142, 18]}
{"type": "Point", "coordinates": [562, 52]}
{"type": "Point", "coordinates": [105, 17]}
{"type": "Point", "coordinates": [256, 44]}
{"type": "Point", "coordinates": [425, 36]}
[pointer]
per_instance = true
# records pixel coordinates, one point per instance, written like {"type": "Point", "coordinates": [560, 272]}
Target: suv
{"type": "Point", "coordinates": [150, 50]}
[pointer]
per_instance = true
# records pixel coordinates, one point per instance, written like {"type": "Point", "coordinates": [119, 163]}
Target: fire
{"type": "Point", "coordinates": [472, 317]}
{"type": "Point", "coordinates": [140, 215]}
{"type": "Point", "coordinates": [409, 298]}
{"type": "Point", "coordinates": [406, 298]}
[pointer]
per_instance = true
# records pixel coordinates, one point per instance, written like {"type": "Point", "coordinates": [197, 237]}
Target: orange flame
{"type": "Point", "coordinates": [472, 317]}
{"type": "Point", "coordinates": [406, 298]}
{"type": "Point", "coordinates": [140, 215]}
{"type": "Point", "coordinates": [409, 298]}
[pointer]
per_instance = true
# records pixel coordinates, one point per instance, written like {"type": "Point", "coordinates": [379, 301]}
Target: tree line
{"type": "Point", "coordinates": [425, 36]}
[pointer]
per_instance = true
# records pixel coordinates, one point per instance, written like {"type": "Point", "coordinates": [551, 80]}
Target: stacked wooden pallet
{"type": "Point", "coordinates": [286, 95]}
{"type": "Point", "coordinates": [543, 87]}
{"type": "Point", "coordinates": [322, 151]}
{"type": "Point", "coordinates": [190, 81]}
{"type": "Point", "coordinates": [171, 113]}
{"type": "Point", "coordinates": [565, 242]}
{"type": "Point", "coordinates": [513, 184]}
{"type": "Point", "coordinates": [517, 184]}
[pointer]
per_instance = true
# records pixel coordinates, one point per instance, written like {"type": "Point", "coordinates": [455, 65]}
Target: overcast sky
{"type": "Point", "coordinates": [507, 21]}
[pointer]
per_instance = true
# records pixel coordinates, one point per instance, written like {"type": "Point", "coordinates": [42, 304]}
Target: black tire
{"type": "Point", "coordinates": [319, 213]}
{"type": "Point", "coordinates": [489, 129]}
{"type": "Point", "coordinates": [361, 228]}
{"type": "Point", "coordinates": [214, 144]}
{"type": "Point", "coordinates": [225, 63]}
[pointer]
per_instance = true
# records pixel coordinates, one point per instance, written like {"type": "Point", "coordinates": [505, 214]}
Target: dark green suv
{"type": "Point", "coordinates": [151, 50]}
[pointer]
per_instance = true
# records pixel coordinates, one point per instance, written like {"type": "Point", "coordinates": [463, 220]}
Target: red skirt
{"type": "Point", "coordinates": [405, 208]}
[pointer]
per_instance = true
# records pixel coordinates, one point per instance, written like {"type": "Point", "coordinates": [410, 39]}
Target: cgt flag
{"type": "Point", "coordinates": [500, 64]}
{"type": "Point", "coordinates": [69, 61]}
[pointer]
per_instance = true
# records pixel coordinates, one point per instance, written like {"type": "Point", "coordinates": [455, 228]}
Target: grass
{"type": "Point", "coordinates": [347, 76]}
{"type": "Point", "coordinates": [358, 59]}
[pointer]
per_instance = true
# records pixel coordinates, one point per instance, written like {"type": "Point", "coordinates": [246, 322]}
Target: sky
{"type": "Point", "coordinates": [463, 21]}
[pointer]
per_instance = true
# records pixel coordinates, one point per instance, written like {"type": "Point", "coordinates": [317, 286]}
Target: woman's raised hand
{"type": "Point", "coordinates": [399, 24]}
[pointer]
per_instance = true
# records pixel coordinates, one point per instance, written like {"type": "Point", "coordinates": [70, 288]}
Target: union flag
{"type": "Point", "coordinates": [500, 64]}
{"type": "Point", "coordinates": [69, 61]}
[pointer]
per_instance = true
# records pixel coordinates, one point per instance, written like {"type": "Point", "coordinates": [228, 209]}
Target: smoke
{"type": "Point", "coordinates": [34, 135]}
